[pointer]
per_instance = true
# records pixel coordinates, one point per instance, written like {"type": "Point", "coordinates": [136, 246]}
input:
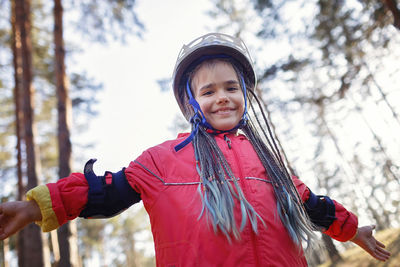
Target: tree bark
{"type": "Point", "coordinates": [16, 50]}
{"type": "Point", "coordinates": [32, 249]}
{"type": "Point", "coordinates": [392, 5]}
{"type": "Point", "coordinates": [66, 239]}
{"type": "Point", "coordinates": [5, 251]}
{"type": "Point", "coordinates": [330, 247]}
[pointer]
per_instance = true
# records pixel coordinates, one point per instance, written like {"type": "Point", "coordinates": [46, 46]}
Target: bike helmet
{"type": "Point", "coordinates": [212, 45]}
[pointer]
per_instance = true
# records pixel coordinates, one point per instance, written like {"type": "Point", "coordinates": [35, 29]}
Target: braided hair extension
{"type": "Point", "coordinates": [289, 204]}
{"type": "Point", "coordinates": [220, 187]}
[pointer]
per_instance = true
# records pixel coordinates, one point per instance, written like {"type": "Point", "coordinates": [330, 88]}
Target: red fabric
{"type": "Point", "coordinates": [108, 178]}
{"type": "Point", "coordinates": [345, 227]}
{"type": "Point", "coordinates": [174, 205]}
{"type": "Point", "coordinates": [69, 196]}
{"type": "Point", "coordinates": [301, 188]}
{"type": "Point", "coordinates": [168, 183]}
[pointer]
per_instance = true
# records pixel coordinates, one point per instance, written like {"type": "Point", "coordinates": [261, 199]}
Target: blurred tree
{"type": "Point", "coordinates": [105, 20]}
{"type": "Point", "coordinates": [66, 240]}
{"type": "Point", "coordinates": [125, 229]}
{"type": "Point", "coordinates": [393, 7]}
{"type": "Point", "coordinates": [32, 244]}
{"type": "Point", "coordinates": [82, 87]}
{"type": "Point", "coordinates": [16, 50]}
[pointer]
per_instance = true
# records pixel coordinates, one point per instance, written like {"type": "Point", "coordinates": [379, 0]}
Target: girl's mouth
{"type": "Point", "coordinates": [223, 111]}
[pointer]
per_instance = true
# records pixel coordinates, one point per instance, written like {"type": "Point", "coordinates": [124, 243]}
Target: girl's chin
{"type": "Point", "coordinates": [225, 127]}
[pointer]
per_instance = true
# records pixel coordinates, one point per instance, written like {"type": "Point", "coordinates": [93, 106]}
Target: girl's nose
{"type": "Point", "coordinates": [222, 98]}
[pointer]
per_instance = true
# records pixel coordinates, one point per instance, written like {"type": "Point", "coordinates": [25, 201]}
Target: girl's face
{"type": "Point", "coordinates": [217, 90]}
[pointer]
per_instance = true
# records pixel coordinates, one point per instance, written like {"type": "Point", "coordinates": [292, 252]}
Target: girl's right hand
{"type": "Point", "coordinates": [16, 215]}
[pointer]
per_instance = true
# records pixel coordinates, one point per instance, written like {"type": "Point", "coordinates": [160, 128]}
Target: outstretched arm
{"type": "Point", "coordinates": [367, 241]}
{"type": "Point", "coordinates": [16, 215]}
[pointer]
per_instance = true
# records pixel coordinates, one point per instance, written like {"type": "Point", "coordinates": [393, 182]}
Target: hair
{"type": "Point", "coordinates": [220, 187]}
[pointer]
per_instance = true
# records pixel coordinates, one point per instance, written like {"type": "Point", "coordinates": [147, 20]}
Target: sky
{"type": "Point", "coordinates": [133, 113]}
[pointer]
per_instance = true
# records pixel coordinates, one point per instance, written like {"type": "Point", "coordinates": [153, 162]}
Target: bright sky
{"type": "Point", "coordinates": [133, 112]}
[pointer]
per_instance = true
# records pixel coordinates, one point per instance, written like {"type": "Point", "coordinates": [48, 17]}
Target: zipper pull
{"type": "Point", "coordinates": [228, 141]}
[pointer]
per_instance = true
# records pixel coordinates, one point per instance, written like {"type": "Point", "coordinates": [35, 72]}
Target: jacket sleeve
{"type": "Point", "coordinates": [65, 200]}
{"type": "Point", "coordinates": [60, 201]}
{"type": "Point", "coordinates": [344, 227]}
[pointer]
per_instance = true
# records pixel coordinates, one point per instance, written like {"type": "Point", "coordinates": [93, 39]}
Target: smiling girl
{"type": "Point", "coordinates": [218, 196]}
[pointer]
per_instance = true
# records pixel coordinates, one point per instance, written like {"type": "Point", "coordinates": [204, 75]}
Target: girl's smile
{"type": "Point", "coordinates": [217, 90]}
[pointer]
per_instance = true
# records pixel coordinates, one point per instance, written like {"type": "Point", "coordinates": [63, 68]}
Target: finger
{"type": "Point", "coordinates": [2, 220]}
{"type": "Point", "coordinates": [380, 244]}
{"type": "Point", "coordinates": [382, 254]}
{"type": "Point", "coordinates": [10, 228]}
{"type": "Point", "coordinates": [381, 257]}
{"type": "Point", "coordinates": [383, 251]}
{"type": "Point", "coordinates": [2, 234]}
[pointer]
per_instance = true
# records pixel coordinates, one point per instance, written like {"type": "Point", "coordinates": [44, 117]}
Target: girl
{"type": "Point", "coordinates": [219, 196]}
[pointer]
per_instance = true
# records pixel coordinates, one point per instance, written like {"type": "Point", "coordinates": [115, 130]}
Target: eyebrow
{"type": "Point", "coordinates": [229, 82]}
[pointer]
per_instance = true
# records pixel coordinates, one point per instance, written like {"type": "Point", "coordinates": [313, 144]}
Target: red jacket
{"type": "Point", "coordinates": [167, 182]}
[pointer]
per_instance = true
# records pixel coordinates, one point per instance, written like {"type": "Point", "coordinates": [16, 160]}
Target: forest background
{"type": "Point", "coordinates": [84, 79]}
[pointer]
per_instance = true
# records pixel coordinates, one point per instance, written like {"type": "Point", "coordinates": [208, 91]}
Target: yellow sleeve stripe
{"type": "Point", "coordinates": [41, 195]}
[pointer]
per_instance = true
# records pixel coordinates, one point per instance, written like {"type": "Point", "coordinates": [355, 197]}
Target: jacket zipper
{"type": "Point", "coordinates": [228, 141]}
{"type": "Point", "coordinates": [252, 234]}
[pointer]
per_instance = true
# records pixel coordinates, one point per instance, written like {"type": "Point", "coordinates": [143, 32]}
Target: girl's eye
{"type": "Point", "coordinates": [207, 93]}
{"type": "Point", "coordinates": [232, 89]}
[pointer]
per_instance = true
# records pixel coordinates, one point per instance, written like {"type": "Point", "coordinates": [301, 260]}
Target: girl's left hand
{"type": "Point", "coordinates": [367, 241]}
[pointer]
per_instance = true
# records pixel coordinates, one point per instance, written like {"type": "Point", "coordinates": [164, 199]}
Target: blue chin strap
{"type": "Point", "coordinates": [198, 119]}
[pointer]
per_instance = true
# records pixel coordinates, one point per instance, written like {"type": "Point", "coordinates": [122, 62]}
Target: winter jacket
{"type": "Point", "coordinates": [168, 185]}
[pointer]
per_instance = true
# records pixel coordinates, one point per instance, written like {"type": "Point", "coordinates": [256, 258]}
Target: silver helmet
{"type": "Point", "coordinates": [208, 45]}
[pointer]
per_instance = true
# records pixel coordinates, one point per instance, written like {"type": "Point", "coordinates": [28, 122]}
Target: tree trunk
{"type": "Point", "coordinates": [67, 242]}
{"type": "Point", "coordinates": [17, 64]}
{"type": "Point", "coordinates": [16, 50]}
{"type": "Point", "coordinates": [46, 250]}
{"type": "Point", "coordinates": [32, 249]}
{"type": "Point", "coordinates": [393, 7]}
{"type": "Point", "coordinates": [5, 248]}
{"type": "Point", "coordinates": [330, 247]}
{"type": "Point", "coordinates": [54, 246]}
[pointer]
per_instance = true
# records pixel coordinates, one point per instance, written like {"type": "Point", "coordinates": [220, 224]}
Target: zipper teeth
{"type": "Point", "coordinates": [244, 188]}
